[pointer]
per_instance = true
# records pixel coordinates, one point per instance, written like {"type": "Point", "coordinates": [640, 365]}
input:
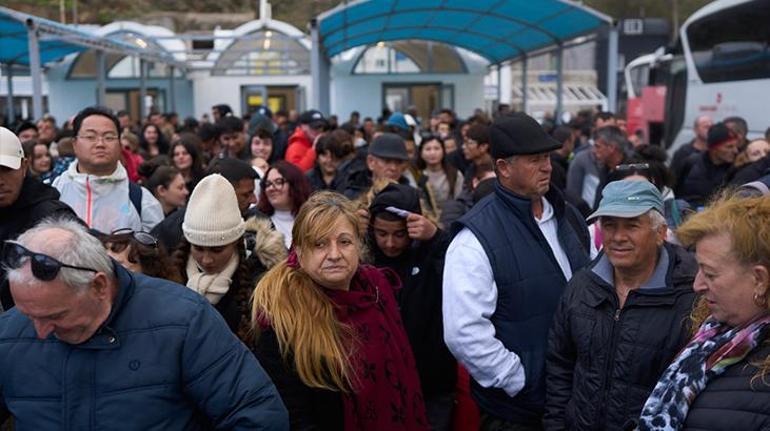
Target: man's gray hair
{"type": "Point", "coordinates": [657, 220]}
{"type": "Point", "coordinates": [613, 136]}
{"type": "Point", "coordinates": [80, 248]}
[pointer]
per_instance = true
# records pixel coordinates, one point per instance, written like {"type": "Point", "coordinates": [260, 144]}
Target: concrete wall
{"type": "Point", "coordinates": [212, 90]}
{"type": "Point", "coordinates": [68, 96]}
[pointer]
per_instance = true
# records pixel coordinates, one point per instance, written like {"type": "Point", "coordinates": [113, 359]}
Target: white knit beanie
{"type": "Point", "coordinates": [213, 218]}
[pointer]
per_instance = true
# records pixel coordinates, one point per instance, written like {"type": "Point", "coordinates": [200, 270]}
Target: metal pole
{"type": "Point", "coordinates": [524, 94]}
{"type": "Point", "coordinates": [35, 70]}
{"type": "Point", "coordinates": [612, 69]}
{"type": "Point", "coordinates": [11, 114]}
{"type": "Point", "coordinates": [559, 83]}
{"type": "Point", "coordinates": [171, 90]}
{"type": "Point", "coordinates": [101, 86]}
{"type": "Point", "coordinates": [319, 67]}
{"type": "Point", "coordinates": [142, 88]}
{"type": "Point", "coordinates": [499, 85]}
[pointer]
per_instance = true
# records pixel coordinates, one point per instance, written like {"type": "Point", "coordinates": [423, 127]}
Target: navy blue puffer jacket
{"type": "Point", "coordinates": [163, 360]}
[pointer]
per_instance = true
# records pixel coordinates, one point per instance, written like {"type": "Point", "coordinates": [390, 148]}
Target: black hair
{"type": "Point", "coordinates": [337, 142]}
{"type": "Point", "coordinates": [94, 110]}
{"type": "Point", "coordinates": [562, 133]}
{"type": "Point", "coordinates": [191, 142]}
{"type": "Point", "coordinates": [231, 124]}
{"type": "Point", "coordinates": [25, 125]}
{"type": "Point", "coordinates": [208, 131]}
{"type": "Point", "coordinates": [157, 172]}
{"type": "Point", "coordinates": [223, 109]}
{"type": "Point", "coordinates": [233, 170]}
{"type": "Point", "coordinates": [479, 132]}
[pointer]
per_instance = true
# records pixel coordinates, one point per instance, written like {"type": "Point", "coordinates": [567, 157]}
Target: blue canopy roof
{"type": "Point", "coordinates": [57, 40]}
{"type": "Point", "coordinates": [498, 30]}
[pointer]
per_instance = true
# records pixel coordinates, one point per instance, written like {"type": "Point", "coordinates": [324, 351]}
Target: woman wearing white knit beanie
{"type": "Point", "coordinates": [212, 257]}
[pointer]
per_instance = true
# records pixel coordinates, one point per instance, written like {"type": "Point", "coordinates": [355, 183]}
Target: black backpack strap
{"type": "Point", "coordinates": [135, 195]}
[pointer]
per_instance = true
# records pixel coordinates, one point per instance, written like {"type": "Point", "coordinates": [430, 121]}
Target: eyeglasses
{"type": "Point", "coordinates": [93, 138]}
{"type": "Point", "coordinates": [142, 237]}
{"type": "Point", "coordinates": [43, 267]}
{"type": "Point", "coordinates": [278, 183]}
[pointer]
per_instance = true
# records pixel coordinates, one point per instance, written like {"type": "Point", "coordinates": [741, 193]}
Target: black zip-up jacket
{"type": "Point", "coordinates": [603, 361]}
{"type": "Point", "coordinates": [36, 202]}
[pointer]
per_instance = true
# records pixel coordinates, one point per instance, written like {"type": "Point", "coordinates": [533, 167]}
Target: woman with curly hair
{"type": "Point", "coordinates": [719, 381]}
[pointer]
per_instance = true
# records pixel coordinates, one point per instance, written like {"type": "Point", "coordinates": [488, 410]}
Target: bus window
{"type": "Point", "coordinates": [733, 44]}
{"type": "Point", "coordinates": [676, 97]}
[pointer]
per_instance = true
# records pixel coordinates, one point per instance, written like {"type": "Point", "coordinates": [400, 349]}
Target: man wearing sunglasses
{"type": "Point", "coordinates": [96, 185]}
{"type": "Point", "coordinates": [118, 350]}
{"type": "Point", "coordinates": [24, 201]}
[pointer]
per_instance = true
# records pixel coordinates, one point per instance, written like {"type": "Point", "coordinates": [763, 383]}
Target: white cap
{"type": "Point", "coordinates": [11, 153]}
{"type": "Point", "coordinates": [410, 121]}
{"type": "Point", "coordinates": [212, 218]}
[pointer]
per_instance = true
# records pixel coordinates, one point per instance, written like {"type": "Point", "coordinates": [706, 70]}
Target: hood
{"type": "Point", "coordinates": [269, 246]}
{"type": "Point", "coordinates": [32, 193]}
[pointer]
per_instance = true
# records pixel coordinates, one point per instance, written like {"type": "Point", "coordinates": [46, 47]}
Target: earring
{"type": "Point", "coordinates": [760, 300]}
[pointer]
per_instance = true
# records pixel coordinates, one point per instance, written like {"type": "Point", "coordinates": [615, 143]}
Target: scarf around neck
{"type": "Point", "coordinates": [714, 348]}
{"type": "Point", "coordinates": [212, 286]}
{"type": "Point", "coordinates": [387, 393]}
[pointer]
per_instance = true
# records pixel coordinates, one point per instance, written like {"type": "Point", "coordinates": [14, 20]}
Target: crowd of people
{"type": "Point", "coordinates": [285, 271]}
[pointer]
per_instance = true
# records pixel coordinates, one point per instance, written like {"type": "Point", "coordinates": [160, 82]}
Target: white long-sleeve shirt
{"type": "Point", "coordinates": [469, 301]}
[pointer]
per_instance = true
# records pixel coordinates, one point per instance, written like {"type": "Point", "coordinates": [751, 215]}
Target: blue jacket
{"type": "Point", "coordinates": [529, 284]}
{"type": "Point", "coordinates": [163, 360]}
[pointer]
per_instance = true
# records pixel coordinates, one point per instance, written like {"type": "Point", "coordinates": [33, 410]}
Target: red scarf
{"type": "Point", "coordinates": [387, 394]}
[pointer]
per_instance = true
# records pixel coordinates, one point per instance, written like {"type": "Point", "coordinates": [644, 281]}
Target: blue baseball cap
{"type": "Point", "coordinates": [397, 119]}
{"type": "Point", "coordinates": [628, 199]}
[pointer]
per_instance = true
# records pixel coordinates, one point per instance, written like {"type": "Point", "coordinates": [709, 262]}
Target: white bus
{"type": "Point", "coordinates": [720, 66]}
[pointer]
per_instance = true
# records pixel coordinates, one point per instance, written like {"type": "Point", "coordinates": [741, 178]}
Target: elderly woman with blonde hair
{"type": "Point", "coordinates": [330, 334]}
{"type": "Point", "coordinates": [719, 381]}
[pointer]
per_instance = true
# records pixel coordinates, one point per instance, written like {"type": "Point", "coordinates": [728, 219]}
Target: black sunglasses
{"type": "Point", "coordinates": [142, 237]}
{"type": "Point", "coordinates": [44, 267]}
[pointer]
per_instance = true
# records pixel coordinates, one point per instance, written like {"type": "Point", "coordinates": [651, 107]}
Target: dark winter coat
{"type": "Point", "coordinates": [736, 400]}
{"type": "Point", "coordinates": [163, 360]}
{"type": "Point", "coordinates": [35, 202]}
{"type": "Point", "coordinates": [704, 179]}
{"type": "Point", "coordinates": [603, 361]}
{"type": "Point", "coordinates": [421, 270]}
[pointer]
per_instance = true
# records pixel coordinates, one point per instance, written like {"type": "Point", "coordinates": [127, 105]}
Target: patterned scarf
{"type": "Point", "coordinates": [713, 349]}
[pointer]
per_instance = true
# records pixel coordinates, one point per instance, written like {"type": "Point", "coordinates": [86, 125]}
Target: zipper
{"type": "Point", "coordinates": [610, 359]}
{"type": "Point", "coordinates": [88, 202]}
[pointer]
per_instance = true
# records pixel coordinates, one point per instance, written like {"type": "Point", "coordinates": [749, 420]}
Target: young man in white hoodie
{"type": "Point", "coordinates": [96, 185]}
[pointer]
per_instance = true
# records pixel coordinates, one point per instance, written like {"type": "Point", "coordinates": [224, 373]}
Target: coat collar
{"type": "Point", "coordinates": [106, 337]}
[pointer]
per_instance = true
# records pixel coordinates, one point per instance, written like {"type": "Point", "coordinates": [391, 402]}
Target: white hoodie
{"type": "Point", "coordinates": [103, 201]}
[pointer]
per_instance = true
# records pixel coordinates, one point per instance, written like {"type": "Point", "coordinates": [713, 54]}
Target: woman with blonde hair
{"type": "Point", "coordinates": [720, 381]}
{"type": "Point", "coordinates": [330, 334]}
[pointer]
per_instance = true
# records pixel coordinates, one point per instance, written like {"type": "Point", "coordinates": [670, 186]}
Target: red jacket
{"type": "Point", "coordinates": [300, 151]}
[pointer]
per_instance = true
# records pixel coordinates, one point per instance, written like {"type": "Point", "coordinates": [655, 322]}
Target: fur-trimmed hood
{"type": "Point", "coordinates": [268, 245]}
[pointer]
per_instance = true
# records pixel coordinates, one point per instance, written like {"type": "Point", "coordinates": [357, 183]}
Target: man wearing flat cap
{"type": "Point", "coordinates": [505, 271]}
{"type": "Point", "coordinates": [622, 319]}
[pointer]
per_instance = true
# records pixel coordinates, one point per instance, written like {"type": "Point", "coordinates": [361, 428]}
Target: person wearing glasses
{"type": "Point", "coordinates": [24, 201]}
{"type": "Point", "coordinates": [90, 345]}
{"type": "Point", "coordinates": [97, 186]}
{"type": "Point", "coordinates": [329, 331]}
{"type": "Point", "coordinates": [212, 258]}
{"type": "Point", "coordinates": [140, 252]}
{"type": "Point", "coordinates": [284, 189]}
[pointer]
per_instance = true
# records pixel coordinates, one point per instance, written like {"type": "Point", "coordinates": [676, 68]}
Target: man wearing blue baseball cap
{"type": "Point", "coordinates": [621, 319]}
